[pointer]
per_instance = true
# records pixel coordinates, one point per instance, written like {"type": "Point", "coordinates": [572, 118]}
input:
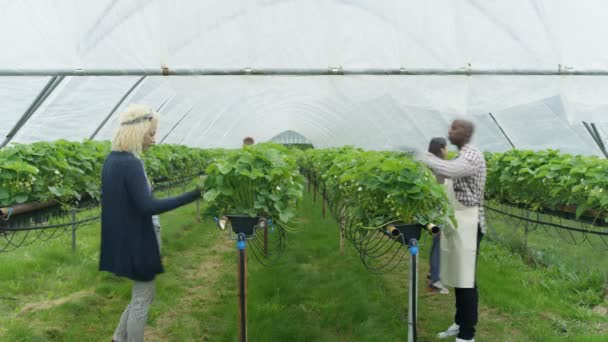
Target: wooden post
{"type": "Point", "coordinates": [73, 230]}
{"type": "Point", "coordinates": [242, 286]}
{"type": "Point", "coordinates": [308, 176]}
{"type": "Point", "coordinates": [341, 240]}
{"type": "Point", "coordinates": [314, 197]}
{"type": "Point", "coordinates": [266, 240]}
{"type": "Point", "coordinates": [198, 210]}
{"type": "Point", "coordinates": [323, 199]}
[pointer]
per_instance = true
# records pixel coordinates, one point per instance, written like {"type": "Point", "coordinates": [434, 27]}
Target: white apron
{"type": "Point", "coordinates": [459, 245]}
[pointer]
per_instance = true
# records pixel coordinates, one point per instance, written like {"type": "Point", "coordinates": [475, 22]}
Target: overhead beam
{"type": "Point", "coordinates": [330, 71]}
{"type": "Point", "coordinates": [122, 99]}
{"type": "Point", "coordinates": [42, 96]}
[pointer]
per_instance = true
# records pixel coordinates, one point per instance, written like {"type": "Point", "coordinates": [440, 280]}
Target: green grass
{"type": "Point", "coordinates": [313, 294]}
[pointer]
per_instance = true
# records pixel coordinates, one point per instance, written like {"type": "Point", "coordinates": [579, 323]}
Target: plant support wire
{"type": "Point", "coordinates": [51, 222]}
{"type": "Point", "coordinates": [554, 224]}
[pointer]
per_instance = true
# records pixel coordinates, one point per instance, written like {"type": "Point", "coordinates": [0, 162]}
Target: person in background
{"type": "Point", "coordinates": [438, 147]}
{"type": "Point", "coordinates": [248, 141]}
{"type": "Point", "coordinates": [465, 183]}
{"type": "Point", "coordinates": [130, 245]}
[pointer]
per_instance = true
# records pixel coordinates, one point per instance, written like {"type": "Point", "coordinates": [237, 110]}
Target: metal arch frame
{"type": "Point", "coordinates": [597, 137]}
{"type": "Point", "coordinates": [122, 99]}
{"type": "Point", "coordinates": [177, 124]}
{"type": "Point", "coordinates": [502, 130]}
{"type": "Point", "coordinates": [42, 96]}
{"type": "Point", "coordinates": [330, 71]}
{"type": "Point", "coordinates": [57, 76]}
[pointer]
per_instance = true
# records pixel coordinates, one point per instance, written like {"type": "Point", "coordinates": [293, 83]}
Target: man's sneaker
{"type": "Point", "coordinates": [453, 330]}
{"type": "Point", "coordinates": [461, 340]}
{"type": "Point", "coordinates": [439, 287]}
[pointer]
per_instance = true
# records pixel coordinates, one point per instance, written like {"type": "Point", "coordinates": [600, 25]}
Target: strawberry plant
{"type": "Point", "coordinates": [375, 188]}
{"type": "Point", "coordinates": [548, 179]}
{"type": "Point", "coordinates": [64, 171]}
{"type": "Point", "coordinates": [258, 180]}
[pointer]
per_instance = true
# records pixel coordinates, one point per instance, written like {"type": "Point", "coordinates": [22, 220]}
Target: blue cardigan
{"type": "Point", "coordinates": [128, 242]}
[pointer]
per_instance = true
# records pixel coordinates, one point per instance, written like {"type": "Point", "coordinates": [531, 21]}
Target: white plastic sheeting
{"type": "Point", "coordinates": [378, 112]}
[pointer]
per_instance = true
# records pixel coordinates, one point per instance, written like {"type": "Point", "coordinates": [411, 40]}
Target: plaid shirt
{"type": "Point", "coordinates": [468, 170]}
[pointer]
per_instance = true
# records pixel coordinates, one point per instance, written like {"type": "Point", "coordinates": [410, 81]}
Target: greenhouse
{"type": "Point", "coordinates": [269, 170]}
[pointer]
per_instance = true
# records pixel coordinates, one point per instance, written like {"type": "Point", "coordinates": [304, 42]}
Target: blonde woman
{"type": "Point", "coordinates": [130, 247]}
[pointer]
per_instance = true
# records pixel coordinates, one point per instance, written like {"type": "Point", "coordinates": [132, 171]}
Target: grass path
{"type": "Point", "coordinates": [313, 294]}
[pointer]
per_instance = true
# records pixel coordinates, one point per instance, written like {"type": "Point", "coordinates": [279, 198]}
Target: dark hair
{"type": "Point", "coordinates": [248, 141]}
{"type": "Point", "coordinates": [436, 145]}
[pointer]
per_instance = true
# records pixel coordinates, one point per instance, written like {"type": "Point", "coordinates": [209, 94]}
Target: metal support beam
{"type": "Point", "coordinates": [501, 130]}
{"type": "Point", "coordinates": [42, 96]}
{"type": "Point", "coordinates": [330, 71]}
{"type": "Point", "coordinates": [122, 99]}
{"type": "Point", "coordinates": [163, 104]}
{"type": "Point", "coordinates": [177, 124]}
{"type": "Point", "coordinates": [595, 134]}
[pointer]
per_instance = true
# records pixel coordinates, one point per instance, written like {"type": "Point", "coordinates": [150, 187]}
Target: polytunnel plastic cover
{"type": "Point", "coordinates": [111, 39]}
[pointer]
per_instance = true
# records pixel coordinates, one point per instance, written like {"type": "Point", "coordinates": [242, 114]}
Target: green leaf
{"type": "Point", "coordinates": [225, 168]}
{"type": "Point", "coordinates": [22, 198]}
{"type": "Point", "coordinates": [581, 209]}
{"type": "Point", "coordinates": [211, 195]}
{"type": "Point", "coordinates": [19, 166]}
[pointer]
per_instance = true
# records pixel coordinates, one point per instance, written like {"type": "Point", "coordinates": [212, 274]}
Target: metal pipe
{"type": "Point", "coordinates": [122, 99]}
{"type": "Point", "coordinates": [413, 293]}
{"type": "Point", "coordinates": [242, 286]}
{"type": "Point", "coordinates": [177, 124]}
{"type": "Point", "coordinates": [599, 140]}
{"type": "Point", "coordinates": [42, 96]}
{"type": "Point", "coordinates": [595, 135]}
{"type": "Point", "coordinates": [501, 130]}
{"type": "Point", "coordinates": [330, 71]}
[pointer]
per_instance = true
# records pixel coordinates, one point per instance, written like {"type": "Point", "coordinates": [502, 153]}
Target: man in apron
{"type": "Point", "coordinates": [466, 178]}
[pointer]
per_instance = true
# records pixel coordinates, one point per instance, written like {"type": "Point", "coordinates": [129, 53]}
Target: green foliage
{"type": "Point", "coordinates": [172, 162]}
{"type": "Point", "coordinates": [42, 171]}
{"type": "Point", "coordinates": [64, 171]}
{"type": "Point", "coordinates": [261, 179]}
{"type": "Point", "coordinates": [378, 187]}
{"type": "Point", "coordinates": [548, 179]}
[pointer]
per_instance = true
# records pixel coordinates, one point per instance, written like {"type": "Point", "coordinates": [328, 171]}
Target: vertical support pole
{"type": "Point", "coordinates": [242, 286]}
{"type": "Point", "coordinates": [526, 231]}
{"type": "Point", "coordinates": [308, 176]}
{"type": "Point", "coordinates": [266, 240]}
{"type": "Point", "coordinates": [502, 131]}
{"type": "Point", "coordinates": [73, 230]}
{"type": "Point", "coordinates": [341, 240]}
{"type": "Point", "coordinates": [323, 199]}
{"type": "Point", "coordinates": [198, 210]}
{"type": "Point", "coordinates": [413, 305]}
{"type": "Point", "coordinates": [314, 186]}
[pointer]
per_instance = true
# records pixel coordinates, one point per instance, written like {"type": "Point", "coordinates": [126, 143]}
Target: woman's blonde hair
{"type": "Point", "coordinates": [134, 122]}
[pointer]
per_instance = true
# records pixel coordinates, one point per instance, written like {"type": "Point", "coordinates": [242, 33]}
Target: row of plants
{"type": "Point", "coordinates": [385, 186]}
{"type": "Point", "coordinates": [549, 180]}
{"type": "Point", "coordinates": [376, 188]}
{"type": "Point", "coordinates": [65, 171]}
{"type": "Point", "coordinates": [257, 180]}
